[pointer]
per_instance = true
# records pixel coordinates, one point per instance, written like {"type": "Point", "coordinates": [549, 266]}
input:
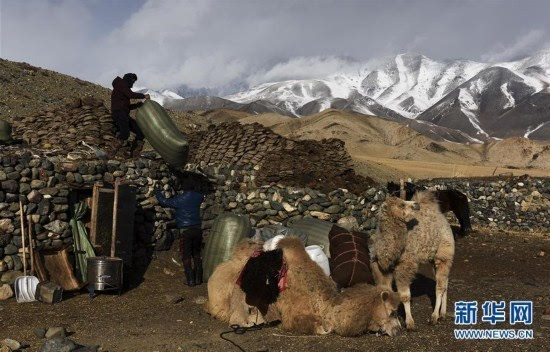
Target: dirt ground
{"type": "Point", "coordinates": [488, 266]}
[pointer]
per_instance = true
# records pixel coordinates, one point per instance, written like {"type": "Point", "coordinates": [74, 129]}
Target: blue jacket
{"type": "Point", "coordinates": [187, 206]}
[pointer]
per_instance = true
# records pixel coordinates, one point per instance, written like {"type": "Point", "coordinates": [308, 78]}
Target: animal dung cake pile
{"type": "Point", "coordinates": [61, 130]}
{"type": "Point", "coordinates": [323, 165]}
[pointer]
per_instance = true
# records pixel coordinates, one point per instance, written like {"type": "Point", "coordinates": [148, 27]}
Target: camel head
{"type": "Point", "coordinates": [399, 209]}
{"type": "Point", "coordinates": [384, 313]}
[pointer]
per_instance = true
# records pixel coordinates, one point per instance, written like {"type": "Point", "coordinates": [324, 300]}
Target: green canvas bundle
{"type": "Point", "coordinates": [228, 229]}
{"type": "Point", "coordinates": [316, 230]}
{"type": "Point", "coordinates": [162, 133]}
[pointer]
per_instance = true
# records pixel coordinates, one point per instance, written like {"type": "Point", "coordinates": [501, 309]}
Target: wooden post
{"type": "Point", "coordinates": [402, 193]}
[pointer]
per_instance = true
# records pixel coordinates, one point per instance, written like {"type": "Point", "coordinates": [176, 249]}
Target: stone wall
{"type": "Point", "coordinates": [45, 184]}
{"type": "Point", "coordinates": [517, 204]}
{"type": "Point", "coordinates": [324, 164]}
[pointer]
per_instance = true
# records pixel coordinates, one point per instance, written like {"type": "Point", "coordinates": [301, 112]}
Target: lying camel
{"type": "Point", "coordinates": [310, 304]}
{"type": "Point", "coordinates": [226, 300]}
{"type": "Point", "coordinates": [410, 233]}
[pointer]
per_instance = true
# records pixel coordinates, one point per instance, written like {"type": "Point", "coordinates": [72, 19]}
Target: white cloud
{"type": "Point", "coordinates": [522, 46]}
{"type": "Point", "coordinates": [53, 35]}
{"type": "Point", "coordinates": [304, 68]}
{"type": "Point", "coordinates": [219, 43]}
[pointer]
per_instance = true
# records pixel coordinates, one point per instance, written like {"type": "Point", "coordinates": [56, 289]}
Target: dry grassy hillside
{"type": "Point", "coordinates": [391, 150]}
{"type": "Point", "coordinates": [27, 89]}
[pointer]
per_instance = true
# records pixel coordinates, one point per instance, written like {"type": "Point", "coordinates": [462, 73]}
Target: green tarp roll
{"type": "Point", "coordinates": [82, 247]}
{"type": "Point", "coordinates": [317, 232]}
{"type": "Point", "coordinates": [227, 230]}
{"type": "Point", "coordinates": [161, 132]}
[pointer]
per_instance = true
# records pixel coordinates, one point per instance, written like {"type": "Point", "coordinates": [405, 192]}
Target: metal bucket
{"type": "Point", "coordinates": [104, 273]}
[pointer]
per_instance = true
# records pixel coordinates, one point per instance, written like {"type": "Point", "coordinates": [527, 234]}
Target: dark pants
{"type": "Point", "coordinates": [125, 124]}
{"type": "Point", "coordinates": [190, 243]}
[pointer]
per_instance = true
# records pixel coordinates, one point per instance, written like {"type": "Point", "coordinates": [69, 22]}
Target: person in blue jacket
{"type": "Point", "coordinates": [187, 206]}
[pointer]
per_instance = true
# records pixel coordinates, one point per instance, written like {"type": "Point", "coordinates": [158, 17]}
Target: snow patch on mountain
{"type": "Point", "coordinates": [470, 108]}
{"type": "Point", "coordinates": [511, 101]}
{"type": "Point", "coordinates": [532, 130]}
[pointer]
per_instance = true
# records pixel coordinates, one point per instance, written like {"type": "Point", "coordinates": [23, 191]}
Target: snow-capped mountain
{"type": "Point", "coordinates": [459, 94]}
{"type": "Point", "coordinates": [481, 100]}
{"type": "Point", "coordinates": [160, 97]}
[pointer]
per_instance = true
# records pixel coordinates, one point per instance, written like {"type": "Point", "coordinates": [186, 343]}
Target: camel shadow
{"type": "Point", "coordinates": [422, 285]}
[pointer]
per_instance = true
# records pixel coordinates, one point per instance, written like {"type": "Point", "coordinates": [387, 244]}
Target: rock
{"type": "Point", "coordinates": [12, 344]}
{"type": "Point", "coordinates": [37, 184]}
{"type": "Point", "coordinates": [5, 349]}
{"type": "Point", "coordinates": [10, 186]}
{"type": "Point", "coordinates": [57, 226]}
{"type": "Point", "coordinates": [10, 276]}
{"type": "Point", "coordinates": [58, 345]}
{"type": "Point", "coordinates": [334, 209]}
{"type": "Point", "coordinates": [5, 293]}
{"type": "Point", "coordinates": [6, 225]}
{"type": "Point", "coordinates": [173, 298]}
{"type": "Point", "coordinates": [34, 196]}
{"type": "Point", "coordinates": [40, 332]}
{"type": "Point", "coordinates": [3, 266]}
{"type": "Point", "coordinates": [350, 223]}
{"type": "Point", "coordinates": [200, 300]}
{"type": "Point", "coordinates": [320, 215]}
{"type": "Point", "coordinates": [541, 254]}
{"type": "Point", "coordinates": [288, 208]}
{"type": "Point", "coordinates": [10, 249]}
{"type": "Point", "coordinates": [56, 332]}
{"type": "Point", "coordinates": [315, 207]}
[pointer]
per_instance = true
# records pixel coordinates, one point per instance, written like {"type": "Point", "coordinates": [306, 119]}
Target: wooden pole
{"type": "Point", "coordinates": [402, 193]}
{"type": "Point", "coordinates": [23, 236]}
{"type": "Point", "coordinates": [31, 244]}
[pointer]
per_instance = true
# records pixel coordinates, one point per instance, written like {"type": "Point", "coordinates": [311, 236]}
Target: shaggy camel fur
{"type": "Point", "coordinates": [397, 251]}
{"type": "Point", "coordinates": [226, 300]}
{"type": "Point", "coordinates": [449, 200]}
{"type": "Point", "coordinates": [310, 304]}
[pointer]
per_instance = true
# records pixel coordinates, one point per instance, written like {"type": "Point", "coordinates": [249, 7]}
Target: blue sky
{"type": "Point", "coordinates": [216, 43]}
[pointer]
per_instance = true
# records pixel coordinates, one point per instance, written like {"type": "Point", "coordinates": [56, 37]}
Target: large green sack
{"type": "Point", "coordinates": [316, 230]}
{"type": "Point", "coordinates": [227, 230]}
{"type": "Point", "coordinates": [162, 133]}
{"type": "Point", "coordinates": [269, 231]}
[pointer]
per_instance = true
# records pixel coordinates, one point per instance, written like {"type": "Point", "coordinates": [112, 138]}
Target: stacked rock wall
{"type": "Point", "coordinates": [324, 164]}
{"type": "Point", "coordinates": [60, 130]}
{"type": "Point", "coordinates": [44, 186]}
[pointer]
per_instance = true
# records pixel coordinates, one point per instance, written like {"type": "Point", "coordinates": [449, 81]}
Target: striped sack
{"type": "Point", "coordinates": [350, 261]}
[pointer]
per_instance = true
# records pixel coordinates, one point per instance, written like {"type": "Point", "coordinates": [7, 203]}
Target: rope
{"type": "Point", "coordinates": [241, 330]}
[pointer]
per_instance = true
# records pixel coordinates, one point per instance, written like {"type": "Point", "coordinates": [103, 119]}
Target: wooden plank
{"type": "Point", "coordinates": [60, 270]}
{"type": "Point", "coordinates": [102, 220]}
{"type": "Point", "coordinates": [123, 222]}
{"type": "Point", "coordinates": [94, 211]}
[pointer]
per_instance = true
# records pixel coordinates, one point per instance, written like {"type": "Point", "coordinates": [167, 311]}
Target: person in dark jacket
{"type": "Point", "coordinates": [187, 207]}
{"type": "Point", "coordinates": [120, 110]}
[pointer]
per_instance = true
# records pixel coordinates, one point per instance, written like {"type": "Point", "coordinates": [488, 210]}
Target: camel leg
{"type": "Point", "coordinates": [442, 269]}
{"type": "Point", "coordinates": [443, 311]}
{"type": "Point", "coordinates": [404, 274]}
{"type": "Point", "coordinates": [382, 279]}
{"type": "Point", "coordinates": [404, 290]}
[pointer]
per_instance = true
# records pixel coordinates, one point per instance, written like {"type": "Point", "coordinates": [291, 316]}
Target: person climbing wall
{"type": "Point", "coordinates": [120, 111]}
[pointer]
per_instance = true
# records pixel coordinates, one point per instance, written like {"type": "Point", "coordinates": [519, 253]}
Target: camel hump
{"type": "Point", "coordinates": [425, 198]}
